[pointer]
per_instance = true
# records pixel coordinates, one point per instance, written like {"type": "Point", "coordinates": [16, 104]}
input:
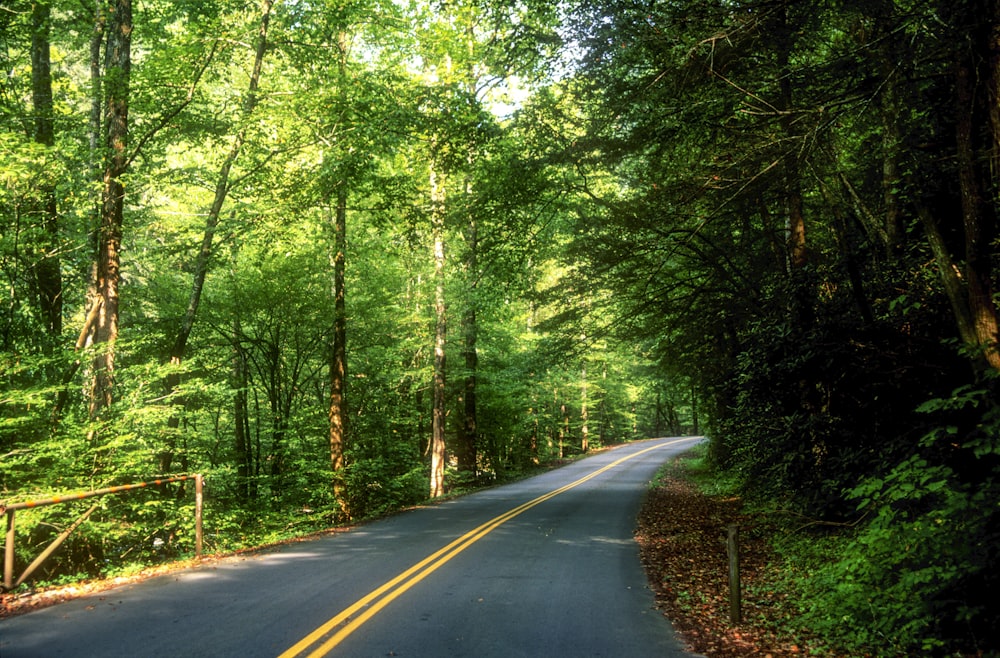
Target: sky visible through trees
{"type": "Point", "coordinates": [343, 256]}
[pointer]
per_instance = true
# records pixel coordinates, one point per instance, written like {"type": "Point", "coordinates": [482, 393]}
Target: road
{"type": "Point", "coordinates": [542, 567]}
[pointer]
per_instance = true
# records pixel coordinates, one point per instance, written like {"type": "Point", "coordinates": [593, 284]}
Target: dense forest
{"type": "Point", "coordinates": [342, 256]}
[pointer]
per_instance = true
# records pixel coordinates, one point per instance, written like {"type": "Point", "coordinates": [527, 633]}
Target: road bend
{"type": "Point", "coordinates": [546, 566]}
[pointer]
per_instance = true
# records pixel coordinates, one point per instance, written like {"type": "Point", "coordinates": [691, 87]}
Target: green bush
{"type": "Point", "coordinates": [919, 575]}
{"type": "Point", "coordinates": [376, 486]}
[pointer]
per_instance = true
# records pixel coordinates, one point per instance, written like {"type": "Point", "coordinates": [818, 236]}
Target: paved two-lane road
{"type": "Point", "coordinates": [542, 567]}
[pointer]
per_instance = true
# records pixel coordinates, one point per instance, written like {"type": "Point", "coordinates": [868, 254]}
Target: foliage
{"type": "Point", "coordinates": [778, 202]}
{"type": "Point", "coordinates": [227, 246]}
{"type": "Point", "coordinates": [828, 430]}
{"type": "Point", "coordinates": [767, 222]}
{"type": "Point", "coordinates": [682, 540]}
{"type": "Point", "coordinates": [917, 575]}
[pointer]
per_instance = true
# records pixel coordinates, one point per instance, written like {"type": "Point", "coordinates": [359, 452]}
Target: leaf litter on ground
{"type": "Point", "coordinates": [682, 533]}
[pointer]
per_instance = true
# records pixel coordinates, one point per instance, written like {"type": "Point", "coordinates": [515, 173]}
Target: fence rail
{"type": "Point", "coordinates": [11, 508]}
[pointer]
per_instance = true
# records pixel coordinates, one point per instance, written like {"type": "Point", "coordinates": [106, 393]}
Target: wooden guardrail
{"type": "Point", "coordinates": [10, 509]}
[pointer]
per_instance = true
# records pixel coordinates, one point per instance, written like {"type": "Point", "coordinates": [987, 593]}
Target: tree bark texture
{"type": "Point", "coordinates": [95, 133]}
{"type": "Point", "coordinates": [178, 349]}
{"type": "Point", "coordinates": [338, 350]}
{"type": "Point", "coordinates": [977, 218]}
{"type": "Point", "coordinates": [48, 270]}
{"type": "Point", "coordinates": [117, 71]}
{"type": "Point", "coordinates": [440, 334]}
{"type": "Point", "coordinates": [338, 357]}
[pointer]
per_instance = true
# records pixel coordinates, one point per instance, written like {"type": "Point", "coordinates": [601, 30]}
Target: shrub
{"type": "Point", "coordinates": [919, 575]}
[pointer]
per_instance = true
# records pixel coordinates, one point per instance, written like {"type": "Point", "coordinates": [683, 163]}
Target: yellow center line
{"type": "Point", "coordinates": [404, 581]}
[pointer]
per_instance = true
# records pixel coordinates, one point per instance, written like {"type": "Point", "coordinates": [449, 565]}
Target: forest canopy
{"type": "Point", "coordinates": [341, 257]}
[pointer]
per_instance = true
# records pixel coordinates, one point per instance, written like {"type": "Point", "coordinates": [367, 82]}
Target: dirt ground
{"type": "Point", "coordinates": [682, 534]}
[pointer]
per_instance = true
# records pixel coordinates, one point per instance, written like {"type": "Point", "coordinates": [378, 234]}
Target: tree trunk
{"type": "Point", "coordinates": [795, 223]}
{"type": "Point", "coordinates": [338, 350]}
{"type": "Point", "coordinates": [221, 192]}
{"type": "Point", "coordinates": [470, 329]}
{"type": "Point", "coordinates": [563, 428]}
{"type": "Point", "coordinates": [96, 88]}
{"type": "Point", "coordinates": [695, 429]}
{"type": "Point", "coordinates": [846, 243]}
{"type": "Point", "coordinates": [440, 334]}
{"type": "Point", "coordinates": [466, 448]}
{"type": "Point", "coordinates": [246, 482]}
{"type": "Point", "coordinates": [658, 415]}
{"type": "Point", "coordinates": [950, 275]}
{"type": "Point", "coordinates": [891, 133]}
{"type": "Point", "coordinates": [338, 357]}
{"type": "Point", "coordinates": [560, 409]}
{"type": "Point", "coordinates": [47, 272]}
{"type": "Point", "coordinates": [117, 72]}
{"type": "Point", "coordinates": [95, 131]}
{"type": "Point", "coordinates": [178, 349]}
{"type": "Point", "coordinates": [673, 419]}
{"type": "Point", "coordinates": [606, 431]}
{"type": "Point", "coordinates": [241, 419]}
{"type": "Point", "coordinates": [978, 221]}
{"type": "Point", "coordinates": [533, 442]}
{"type": "Point", "coordinates": [993, 95]}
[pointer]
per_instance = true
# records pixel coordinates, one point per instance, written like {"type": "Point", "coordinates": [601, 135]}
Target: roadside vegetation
{"type": "Point", "coordinates": [809, 587]}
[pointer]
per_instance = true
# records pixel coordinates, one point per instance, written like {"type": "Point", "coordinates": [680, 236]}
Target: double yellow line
{"type": "Point", "coordinates": [370, 605]}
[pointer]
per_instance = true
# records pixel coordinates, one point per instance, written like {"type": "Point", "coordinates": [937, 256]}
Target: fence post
{"type": "Point", "coordinates": [8, 558]}
{"type": "Point", "coordinates": [733, 546]}
{"type": "Point", "coordinates": [198, 489]}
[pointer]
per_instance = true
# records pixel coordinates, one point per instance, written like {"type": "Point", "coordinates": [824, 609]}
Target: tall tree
{"type": "Point", "coordinates": [967, 272]}
{"type": "Point", "coordinates": [978, 214]}
{"type": "Point", "coordinates": [116, 81]}
{"type": "Point", "coordinates": [48, 274]}
{"type": "Point", "coordinates": [222, 188]}
{"type": "Point", "coordinates": [338, 349]}
{"type": "Point", "coordinates": [438, 212]}
{"type": "Point", "coordinates": [466, 446]}
{"type": "Point", "coordinates": [467, 443]}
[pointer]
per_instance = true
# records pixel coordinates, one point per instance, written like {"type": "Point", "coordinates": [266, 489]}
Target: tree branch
{"type": "Point", "coordinates": [169, 116]}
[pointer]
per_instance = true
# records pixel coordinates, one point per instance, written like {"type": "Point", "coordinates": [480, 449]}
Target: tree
{"type": "Point", "coordinates": [437, 217]}
{"type": "Point", "coordinates": [262, 163]}
{"type": "Point", "coordinates": [978, 215]}
{"type": "Point", "coordinates": [715, 134]}
{"type": "Point", "coordinates": [48, 272]}
{"type": "Point", "coordinates": [338, 357]}
{"type": "Point", "coordinates": [222, 189]}
{"type": "Point", "coordinates": [105, 311]}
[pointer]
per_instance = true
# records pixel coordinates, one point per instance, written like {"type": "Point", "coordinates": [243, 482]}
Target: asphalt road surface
{"type": "Point", "coordinates": [543, 567]}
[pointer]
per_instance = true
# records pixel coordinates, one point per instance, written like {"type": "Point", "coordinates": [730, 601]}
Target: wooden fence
{"type": "Point", "coordinates": [10, 509]}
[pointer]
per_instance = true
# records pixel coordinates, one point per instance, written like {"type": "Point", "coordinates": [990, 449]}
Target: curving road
{"type": "Point", "coordinates": [542, 567]}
